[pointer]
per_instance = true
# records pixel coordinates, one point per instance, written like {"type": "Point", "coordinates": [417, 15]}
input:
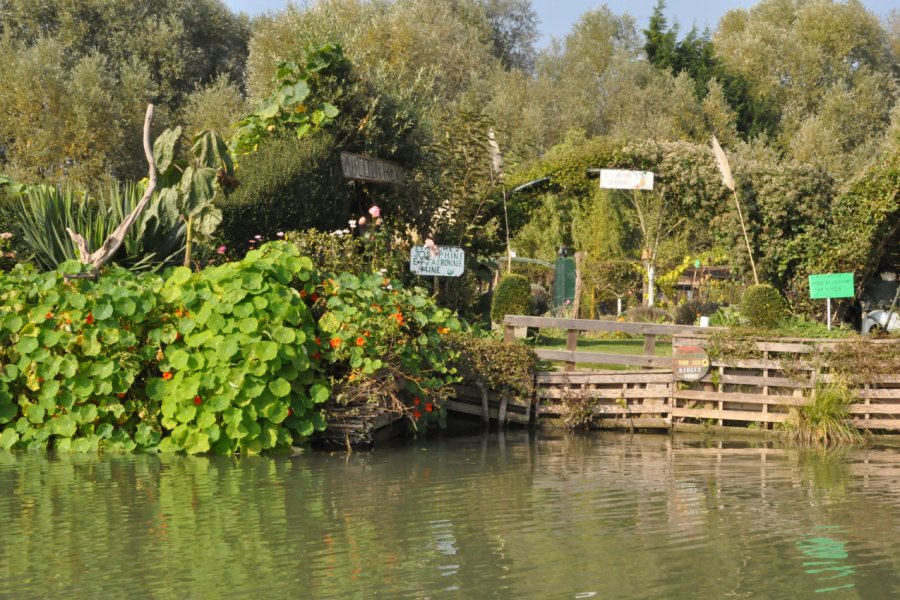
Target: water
{"type": "Point", "coordinates": [480, 516]}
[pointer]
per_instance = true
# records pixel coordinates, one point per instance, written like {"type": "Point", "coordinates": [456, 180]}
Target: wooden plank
{"type": "Point", "coordinates": [613, 409]}
{"type": "Point", "coordinates": [641, 423]}
{"type": "Point", "coordinates": [762, 364]}
{"type": "Point", "coordinates": [730, 415]}
{"type": "Point", "coordinates": [702, 396]}
{"type": "Point", "coordinates": [582, 377]}
{"type": "Point", "coordinates": [571, 346]}
{"type": "Point", "coordinates": [891, 424]}
{"type": "Point", "coordinates": [598, 325]}
{"type": "Point", "coordinates": [875, 409]}
{"type": "Point", "coordinates": [494, 413]}
{"type": "Point", "coordinates": [608, 359]}
{"type": "Point", "coordinates": [509, 334]}
{"type": "Point", "coordinates": [778, 382]}
{"type": "Point", "coordinates": [890, 394]}
{"type": "Point", "coordinates": [608, 394]}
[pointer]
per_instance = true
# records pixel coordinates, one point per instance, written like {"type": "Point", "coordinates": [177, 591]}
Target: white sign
{"type": "Point", "coordinates": [615, 179]}
{"type": "Point", "coordinates": [449, 261]}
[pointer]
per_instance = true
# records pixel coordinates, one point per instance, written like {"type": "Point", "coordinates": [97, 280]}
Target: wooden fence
{"type": "Point", "coordinates": [754, 393]}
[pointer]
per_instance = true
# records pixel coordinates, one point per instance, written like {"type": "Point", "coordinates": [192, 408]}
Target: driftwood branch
{"type": "Point", "coordinates": [114, 241]}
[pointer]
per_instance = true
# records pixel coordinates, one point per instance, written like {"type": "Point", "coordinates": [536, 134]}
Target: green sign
{"type": "Point", "coordinates": [831, 285]}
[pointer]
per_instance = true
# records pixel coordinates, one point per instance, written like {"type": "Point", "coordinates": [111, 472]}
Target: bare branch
{"type": "Point", "coordinates": [114, 241]}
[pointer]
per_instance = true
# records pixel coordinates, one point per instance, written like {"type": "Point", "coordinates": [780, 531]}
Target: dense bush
{"type": "Point", "coordinates": [382, 344]}
{"type": "Point", "coordinates": [288, 184]}
{"type": "Point", "coordinates": [763, 306]}
{"type": "Point", "coordinates": [494, 365]}
{"type": "Point", "coordinates": [512, 297]}
{"type": "Point", "coordinates": [647, 314]}
{"type": "Point", "coordinates": [687, 313]}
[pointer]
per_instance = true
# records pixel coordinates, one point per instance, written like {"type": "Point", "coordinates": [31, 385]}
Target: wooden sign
{"type": "Point", "coordinates": [690, 363]}
{"type": "Point", "coordinates": [366, 168]}
{"type": "Point", "coordinates": [616, 179]}
{"type": "Point", "coordinates": [448, 261]}
{"type": "Point", "coordinates": [831, 285]}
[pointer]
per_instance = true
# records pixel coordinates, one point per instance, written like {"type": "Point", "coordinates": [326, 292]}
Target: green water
{"type": "Point", "coordinates": [474, 516]}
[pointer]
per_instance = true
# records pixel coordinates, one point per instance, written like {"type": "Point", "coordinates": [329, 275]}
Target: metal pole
{"type": "Point", "coordinates": [829, 313]}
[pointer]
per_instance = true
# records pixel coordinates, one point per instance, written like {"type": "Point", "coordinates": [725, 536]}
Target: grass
{"type": "Point", "coordinates": [825, 422]}
{"type": "Point", "coordinates": [606, 346]}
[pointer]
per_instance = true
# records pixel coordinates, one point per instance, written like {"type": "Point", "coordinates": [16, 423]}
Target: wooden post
{"type": "Point", "coordinates": [650, 347]}
{"type": "Point", "coordinates": [509, 334]}
{"type": "Point", "coordinates": [571, 345]}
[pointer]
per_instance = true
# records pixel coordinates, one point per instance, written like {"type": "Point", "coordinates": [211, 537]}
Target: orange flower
{"type": "Point", "coordinates": [385, 282]}
{"type": "Point", "coordinates": [303, 293]}
{"type": "Point", "coordinates": [317, 355]}
{"type": "Point", "coordinates": [443, 330]}
{"type": "Point", "coordinates": [399, 317]}
{"type": "Point", "coordinates": [178, 313]}
{"type": "Point", "coordinates": [89, 319]}
{"type": "Point", "coordinates": [417, 401]}
{"type": "Point", "coordinates": [360, 341]}
{"type": "Point", "coordinates": [314, 297]}
{"type": "Point", "coordinates": [429, 407]}
{"type": "Point", "coordinates": [121, 395]}
{"type": "Point", "coordinates": [49, 315]}
{"type": "Point", "coordinates": [318, 341]}
{"type": "Point", "coordinates": [167, 376]}
{"type": "Point", "coordinates": [335, 342]}
{"type": "Point", "coordinates": [197, 400]}
{"type": "Point", "coordinates": [417, 415]}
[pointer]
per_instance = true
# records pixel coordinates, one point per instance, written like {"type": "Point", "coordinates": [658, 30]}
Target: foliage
{"type": "Point", "coordinates": [288, 107]}
{"type": "Point", "coordinates": [687, 313]}
{"type": "Point", "coordinates": [825, 420]}
{"type": "Point", "coordinates": [647, 314]}
{"type": "Point", "coordinates": [98, 64]}
{"type": "Point", "coordinates": [488, 362]}
{"type": "Point", "coordinates": [288, 184]}
{"type": "Point", "coordinates": [763, 306]}
{"type": "Point", "coordinates": [44, 214]}
{"type": "Point", "coordinates": [190, 186]}
{"type": "Point", "coordinates": [512, 296]}
{"type": "Point", "coordinates": [216, 360]}
{"type": "Point", "coordinates": [7, 254]}
{"type": "Point", "coordinates": [383, 344]}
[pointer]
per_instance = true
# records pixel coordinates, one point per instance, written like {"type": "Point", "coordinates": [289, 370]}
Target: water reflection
{"type": "Point", "coordinates": [498, 516]}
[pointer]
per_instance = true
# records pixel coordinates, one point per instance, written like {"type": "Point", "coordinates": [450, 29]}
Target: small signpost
{"type": "Point", "coordinates": [690, 363]}
{"type": "Point", "coordinates": [447, 261]}
{"type": "Point", "coordinates": [617, 179]}
{"type": "Point", "coordinates": [831, 285]}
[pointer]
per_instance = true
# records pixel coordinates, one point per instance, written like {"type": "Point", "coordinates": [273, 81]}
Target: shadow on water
{"type": "Point", "coordinates": [468, 514]}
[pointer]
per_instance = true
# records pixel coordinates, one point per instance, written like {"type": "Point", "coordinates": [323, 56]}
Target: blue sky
{"type": "Point", "coordinates": [557, 16]}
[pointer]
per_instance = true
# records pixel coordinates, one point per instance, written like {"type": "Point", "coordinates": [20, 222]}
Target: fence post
{"type": "Point", "coordinates": [509, 334]}
{"type": "Point", "coordinates": [650, 346]}
{"type": "Point", "coordinates": [571, 346]}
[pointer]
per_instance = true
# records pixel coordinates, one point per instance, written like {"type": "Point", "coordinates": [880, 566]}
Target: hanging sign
{"type": "Point", "coordinates": [616, 179]}
{"type": "Point", "coordinates": [690, 363]}
{"type": "Point", "coordinates": [367, 168]}
{"type": "Point", "coordinates": [442, 261]}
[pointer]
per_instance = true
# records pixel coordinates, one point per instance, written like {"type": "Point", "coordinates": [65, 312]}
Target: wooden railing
{"type": "Point", "coordinates": [573, 327]}
{"type": "Point", "coordinates": [759, 392]}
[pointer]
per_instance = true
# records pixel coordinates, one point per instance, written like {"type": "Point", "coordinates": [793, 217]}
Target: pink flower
{"type": "Point", "coordinates": [362, 221]}
{"type": "Point", "coordinates": [280, 234]}
{"type": "Point", "coordinates": [221, 250]}
{"type": "Point", "coordinates": [375, 212]}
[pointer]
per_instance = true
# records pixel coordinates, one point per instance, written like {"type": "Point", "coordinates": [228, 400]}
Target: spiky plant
{"type": "Point", "coordinates": [825, 421]}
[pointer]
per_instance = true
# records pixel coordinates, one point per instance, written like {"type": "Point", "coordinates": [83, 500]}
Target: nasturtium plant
{"type": "Point", "coordinates": [381, 343]}
{"type": "Point", "coordinates": [195, 362]}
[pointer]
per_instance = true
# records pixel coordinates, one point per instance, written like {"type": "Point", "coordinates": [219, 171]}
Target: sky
{"type": "Point", "coordinates": [558, 16]}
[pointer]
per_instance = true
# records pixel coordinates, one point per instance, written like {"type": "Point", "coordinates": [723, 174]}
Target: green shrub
{"type": "Point", "coordinates": [286, 185]}
{"type": "Point", "coordinates": [825, 420]}
{"type": "Point", "coordinates": [763, 307]}
{"type": "Point", "coordinates": [512, 297]}
{"type": "Point", "coordinates": [486, 361]}
{"type": "Point", "coordinates": [43, 214]}
{"type": "Point", "coordinates": [647, 314]}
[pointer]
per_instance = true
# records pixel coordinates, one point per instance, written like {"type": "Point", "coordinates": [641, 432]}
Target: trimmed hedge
{"type": "Point", "coordinates": [764, 307]}
{"type": "Point", "coordinates": [286, 185]}
{"type": "Point", "coordinates": [512, 297]}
